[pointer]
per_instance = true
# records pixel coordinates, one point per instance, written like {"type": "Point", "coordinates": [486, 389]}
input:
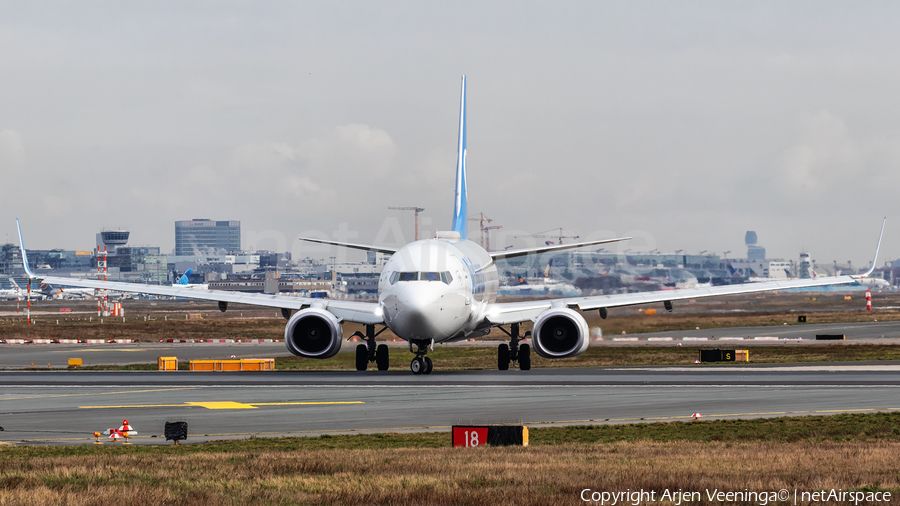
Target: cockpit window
{"type": "Point", "coordinates": [409, 276]}
{"type": "Point", "coordinates": [445, 277]}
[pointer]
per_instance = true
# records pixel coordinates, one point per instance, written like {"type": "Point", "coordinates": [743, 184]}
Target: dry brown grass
{"type": "Point", "coordinates": [536, 475]}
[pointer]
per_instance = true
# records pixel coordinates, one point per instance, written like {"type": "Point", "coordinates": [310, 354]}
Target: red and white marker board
{"type": "Point", "coordinates": [469, 437]}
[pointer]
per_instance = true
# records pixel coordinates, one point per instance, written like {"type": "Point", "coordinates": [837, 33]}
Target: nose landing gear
{"type": "Point", "coordinates": [421, 364]}
{"type": "Point", "coordinates": [369, 352]}
{"type": "Point", "coordinates": [514, 352]}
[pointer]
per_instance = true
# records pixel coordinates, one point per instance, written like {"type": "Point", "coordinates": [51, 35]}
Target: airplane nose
{"type": "Point", "coordinates": [417, 312]}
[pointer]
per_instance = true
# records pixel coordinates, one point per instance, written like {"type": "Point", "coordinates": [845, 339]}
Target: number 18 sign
{"type": "Point", "coordinates": [469, 437]}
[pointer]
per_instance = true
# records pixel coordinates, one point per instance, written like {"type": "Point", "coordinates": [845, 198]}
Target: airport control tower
{"type": "Point", "coordinates": [112, 239]}
{"type": "Point", "coordinates": [754, 251]}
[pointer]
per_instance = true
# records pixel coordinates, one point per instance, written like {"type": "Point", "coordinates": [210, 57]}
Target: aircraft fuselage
{"type": "Point", "coordinates": [436, 289]}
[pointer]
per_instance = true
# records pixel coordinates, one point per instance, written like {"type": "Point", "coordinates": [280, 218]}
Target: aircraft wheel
{"type": "Point", "coordinates": [524, 357]}
{"type": "Point", "coordinates": [503, 357]}
{"type": "Point", "coordinates": [362, 357]}
{"type": "Point", "coordinates": [429, 365]}
{"type": "Point", "coordinates": [417, 366]}
{"type": "Point", "coordinates": [382, 358]}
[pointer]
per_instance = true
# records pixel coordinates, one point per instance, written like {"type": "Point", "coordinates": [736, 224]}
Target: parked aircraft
{"type": "Point", "coordinates": [185, 281]}
{"type": "Point", "coordinates": [444, 289]}
{"type": "Point", "coordinates": [16, 292]}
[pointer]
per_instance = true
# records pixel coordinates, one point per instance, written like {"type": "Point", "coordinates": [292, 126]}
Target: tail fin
{"type": "Point", "coordinates": [460, 210]}
{"type": "Point", "coordinates": [185, 278]}
{"type": "Point", "coordinates": [24, 255]}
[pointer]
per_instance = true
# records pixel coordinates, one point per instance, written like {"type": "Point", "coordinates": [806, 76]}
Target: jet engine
{"type": "Point", "coordinates": [560, 333]}
{"type": "Point", "coordinates": [313, 333]}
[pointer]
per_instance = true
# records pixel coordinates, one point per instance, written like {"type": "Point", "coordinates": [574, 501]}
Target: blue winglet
{"type": "Point", "coordinates": [460, 210]}
{"type": "Point", "coordinates": [877, 247]}
{"type": "Point", "coordinates": [24, 255]}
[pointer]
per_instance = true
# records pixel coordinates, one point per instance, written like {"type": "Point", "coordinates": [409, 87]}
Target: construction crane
{"type": "Point", "coordinates": [487, 238]}
{"type": "Point", "coordinates": [417, 210]}
{"type": "Point", "coordinates": [544, 234]}
{"type": "Point", "coordinates": [481, 219]}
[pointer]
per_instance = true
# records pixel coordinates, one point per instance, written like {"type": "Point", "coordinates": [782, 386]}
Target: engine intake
{"type": "Point", "coordinates": [560, 333]}
{"type": "Point", "coordinates": [313, 333]}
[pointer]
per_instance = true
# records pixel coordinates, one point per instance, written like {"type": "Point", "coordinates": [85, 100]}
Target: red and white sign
{"type": "Point", "coordinates": [470, 437]}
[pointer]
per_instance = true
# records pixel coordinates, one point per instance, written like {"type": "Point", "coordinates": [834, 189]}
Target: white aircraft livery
{"type": "Point", "coordinates": [441, 290]}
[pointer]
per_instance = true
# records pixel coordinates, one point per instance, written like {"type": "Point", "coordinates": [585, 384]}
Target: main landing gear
{"type": "Point", "coordinates": [421, 364]}
{"type": "Point", "coordinates": [514, 352]}
{"type": "Point", "coordinates": [369, 352]}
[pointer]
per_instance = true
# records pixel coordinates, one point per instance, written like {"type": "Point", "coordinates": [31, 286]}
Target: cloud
{"type": "Point", "coordinates": [350, 149]}
{"type": "Point", "coordinates": [827, 160]}
{"type": "Point", "coordinates": [12, 150]}
{"type": "Point", "coordinates": [825, 155]}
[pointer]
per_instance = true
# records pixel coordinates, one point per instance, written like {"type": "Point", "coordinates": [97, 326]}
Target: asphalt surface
{"type": "Point", "coordinates": [65, 407]}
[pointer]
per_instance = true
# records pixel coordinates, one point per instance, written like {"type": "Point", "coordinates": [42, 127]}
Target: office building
{"type": "Point", "coordinates": [207, 237]}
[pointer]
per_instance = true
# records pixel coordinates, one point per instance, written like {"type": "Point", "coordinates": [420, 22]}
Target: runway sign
{"type": "Point", "coordinates": [724, 355]}
{"type": "Point", "coordinates": [246, 364]}
{"type": "Point", "coordinates": [470, 436]}
{"type": "Point", "coordinates": [167, 363]}
{"type": "Point", "coordinates": [830, 337]}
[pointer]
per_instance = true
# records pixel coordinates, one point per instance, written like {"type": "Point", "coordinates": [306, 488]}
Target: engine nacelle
{"type": "Point", "coordinates": [560, 333]}
{"type": "Point", "coordinates": [313, 333]}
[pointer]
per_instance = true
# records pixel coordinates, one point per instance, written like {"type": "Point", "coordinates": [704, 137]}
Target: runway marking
{"type": "Point", "coordinates": [222, 405]}
{"type": "Point", "coordinates": [105, 349]}
{"type": "Point", "coordinates": [225, 405]}
{"type": "Point", "coordinates": [98, 393]}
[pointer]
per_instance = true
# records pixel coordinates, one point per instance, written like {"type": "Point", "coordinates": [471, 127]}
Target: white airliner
{"type": "Point", "coordinates": [441, 290]}
{"type": "Point", "coordinates": [15, 292]}
{"type": "Point", "coordinates": [12, 293]}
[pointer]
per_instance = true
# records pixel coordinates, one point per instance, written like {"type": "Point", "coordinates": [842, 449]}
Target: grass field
{"type": "Point", "coordinates": [849, 452]}
{"type": "Point", "coordinates": [458, 358]}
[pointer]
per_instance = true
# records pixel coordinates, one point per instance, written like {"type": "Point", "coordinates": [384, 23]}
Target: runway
{"type": "Point", "coordinates": [66, 407]}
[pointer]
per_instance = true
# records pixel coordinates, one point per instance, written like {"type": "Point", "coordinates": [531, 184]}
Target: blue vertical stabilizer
{"type": "Point", "coordinates": [460, 210]}
{"type": "Point", "coordinates": [185, 278]}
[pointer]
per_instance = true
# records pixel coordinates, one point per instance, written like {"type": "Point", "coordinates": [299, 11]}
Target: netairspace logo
{"type": "Point", "coordinates": [761, 498]}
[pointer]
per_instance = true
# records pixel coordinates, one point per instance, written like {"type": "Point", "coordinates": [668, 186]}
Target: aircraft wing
{"type": "Point", "coordinates": [352, 311]}
{"type": "Point", "coordinates": [497, 255]}
{"type": "Point", "coordinates": [504, 313]}
{"type": "Point", "coordinates": [365, 247]}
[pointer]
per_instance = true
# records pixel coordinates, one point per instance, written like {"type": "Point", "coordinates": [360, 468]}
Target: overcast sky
{"type": "Point", "coordinates": [682, 123]}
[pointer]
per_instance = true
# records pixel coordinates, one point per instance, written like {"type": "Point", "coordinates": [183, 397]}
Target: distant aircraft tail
{"type": "Point", "coordinates": [185, 278]}
{"type": "Point", "coordinates": [460, 210]}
